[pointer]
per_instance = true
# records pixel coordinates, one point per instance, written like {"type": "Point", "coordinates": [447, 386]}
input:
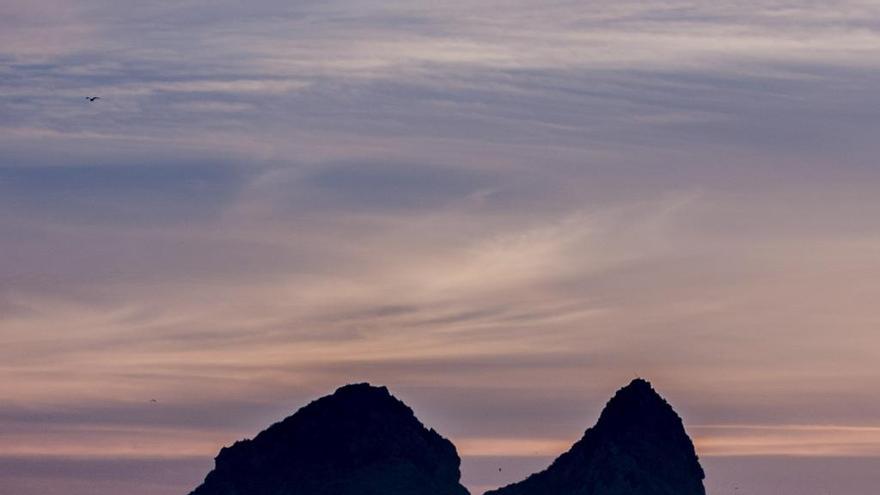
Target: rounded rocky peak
{"type": "Point", "coordinates": [363, 400]}
{"type": "Point", "coordinates": [363, 389]}
{"type": "Point", "coordinates": [360, 440]}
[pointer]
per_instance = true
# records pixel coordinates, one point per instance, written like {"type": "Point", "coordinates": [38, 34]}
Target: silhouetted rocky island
{"type": "Point", "coordinates": [363, 441]}
{"type": "Point", "coordinates": [638, 447]}
{"type": "Point", "coordinates": [358, 441]}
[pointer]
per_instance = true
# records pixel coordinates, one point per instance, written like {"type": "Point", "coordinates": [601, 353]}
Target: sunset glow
{"type": "Point", "coordinates": [503, 211]}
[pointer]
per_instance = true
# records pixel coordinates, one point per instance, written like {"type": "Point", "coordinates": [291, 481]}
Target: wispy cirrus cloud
{"type": "Point", "coordinates": [501, 210]}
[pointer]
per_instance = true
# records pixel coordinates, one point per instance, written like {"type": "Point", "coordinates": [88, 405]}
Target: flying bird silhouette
{"type": "Point", "coordinates": [93, 98]}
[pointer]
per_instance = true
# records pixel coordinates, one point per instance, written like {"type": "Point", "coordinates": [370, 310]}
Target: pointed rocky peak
{"type": "Point", "coordinates": [639, 406]}
{"type": "Point", "coordinates": [638, 447]}
{"type": "Point", "coordinates": [359, 440]}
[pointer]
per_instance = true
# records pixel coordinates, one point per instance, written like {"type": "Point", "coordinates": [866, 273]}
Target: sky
{"type": "Point", "coordinates": [502, 210]}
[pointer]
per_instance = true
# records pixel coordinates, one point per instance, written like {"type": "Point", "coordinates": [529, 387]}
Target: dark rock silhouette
{"type": "Point", "coordinates": [359, 441]}
{"type": "Point", "coordinates": [638, 447]}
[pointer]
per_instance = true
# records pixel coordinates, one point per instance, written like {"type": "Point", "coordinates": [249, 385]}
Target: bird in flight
{"type": "Point", "coordinates": [93, 98]}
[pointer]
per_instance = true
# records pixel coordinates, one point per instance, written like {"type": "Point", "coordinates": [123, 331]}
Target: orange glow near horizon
{"type": "Point", "coordinates": [710, 441]}
{"type": "Point", "coordinates": [503, 211]}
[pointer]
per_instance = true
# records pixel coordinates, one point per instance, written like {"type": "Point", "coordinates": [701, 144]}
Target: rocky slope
{"type": "Point", "coordinates": [638, 447]}
{"type": "Point", "coordinates": [358, 441]}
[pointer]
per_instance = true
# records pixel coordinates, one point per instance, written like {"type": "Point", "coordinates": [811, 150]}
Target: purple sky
{"type": "Point", "coordinates": [504, 211]}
